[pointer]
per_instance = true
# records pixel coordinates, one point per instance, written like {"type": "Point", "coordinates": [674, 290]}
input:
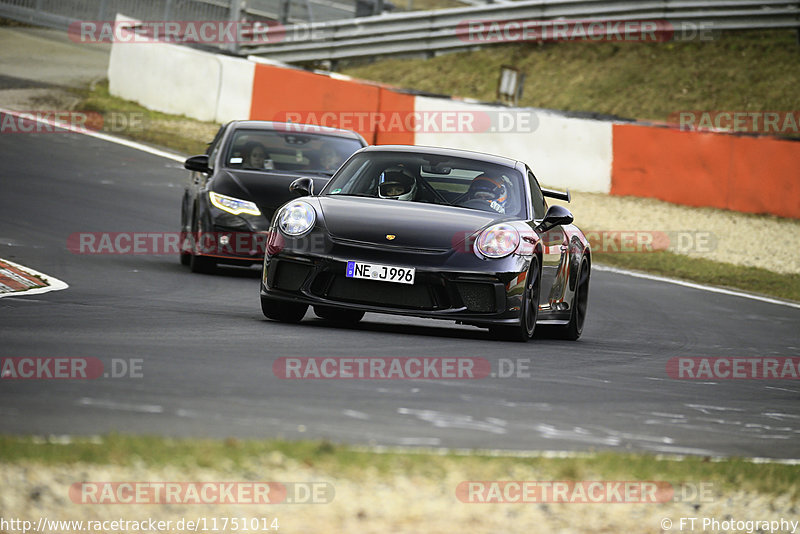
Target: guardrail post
{"type": "Point", "coordinates": [168, 10]}
{"type": "Point", "coordinates": [237, 6]}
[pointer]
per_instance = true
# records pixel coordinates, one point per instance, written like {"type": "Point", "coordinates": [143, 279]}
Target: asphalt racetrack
{"type": "Point", "coordinates": [206, 352]}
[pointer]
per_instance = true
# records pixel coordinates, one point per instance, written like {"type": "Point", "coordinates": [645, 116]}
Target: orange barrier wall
{"type": "Point", "coordinates": [281, 93]}
{"type": "Point", "coordinates": [397, 112]}
{"type": "Point", "coordinates": [748, 174]}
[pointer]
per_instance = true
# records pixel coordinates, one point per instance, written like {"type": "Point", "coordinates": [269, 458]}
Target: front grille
{"type": "Point", "coordinates": [289, 276]}
{"type": "Point", "coordinates": [416, 296]}
{"type": "Point", "coordinates": [477, 297]}
{"type": "Point", "coordinates": [387, 247]}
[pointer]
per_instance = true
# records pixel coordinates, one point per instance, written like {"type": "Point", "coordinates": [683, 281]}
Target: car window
{"type": "Point", "coordinates": [537, 198]}
{"type": "Point", "coordinates": [463, 182]}
{"type": "Point", "coordinates": [287, 151]}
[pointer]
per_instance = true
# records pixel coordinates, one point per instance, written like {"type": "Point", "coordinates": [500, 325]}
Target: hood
{"type": "Point", "coordinates": [268, 190]}
{"type": "Point", "coordinates": [414, 225]}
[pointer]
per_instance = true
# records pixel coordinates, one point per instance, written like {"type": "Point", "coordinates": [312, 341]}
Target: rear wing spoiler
{"type": "Point", "coordinates": [557, 194]}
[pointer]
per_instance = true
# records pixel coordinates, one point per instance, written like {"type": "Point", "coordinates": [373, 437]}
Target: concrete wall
{"type": "Point", "coordinates": [179, 80]}
{"type": "Point", "coordinates": [740, 173]}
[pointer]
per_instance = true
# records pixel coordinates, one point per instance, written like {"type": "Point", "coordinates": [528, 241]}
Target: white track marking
{"type": "Point", "coordinates": [693, 285]}
{"type": "Point", "coordinates": [97, 135]}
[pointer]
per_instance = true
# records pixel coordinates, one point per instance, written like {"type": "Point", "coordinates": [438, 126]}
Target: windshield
{"type": "Point", "coordinates": [271, 150]}
{"type": "Point", "coordinates": [462, 182]}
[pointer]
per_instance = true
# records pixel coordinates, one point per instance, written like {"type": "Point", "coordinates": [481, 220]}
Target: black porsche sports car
{"type": "Point", "coordinates": [429, 232]}
{"type": "Point", "coordinates": [236, 186]}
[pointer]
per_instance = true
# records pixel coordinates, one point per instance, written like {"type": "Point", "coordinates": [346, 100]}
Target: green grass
{"type": "Point", "coordinates": [347, 462]}
{"type": "Point", "coordinates": [744, 71]}
{"type": "Point", "coordinates": [172, 131]}
{"type": "Point", "coordinates": [753, 279]}
{"type": "Point", "coordinates": [14, 23]}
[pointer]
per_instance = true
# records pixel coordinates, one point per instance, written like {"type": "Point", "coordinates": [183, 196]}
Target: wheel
{"type": "Point", "coordinates": [580, 302]}
{"type": "Point", "coordinates": [338, 315]}
{"type": "Point", "coordinates": [197, 263]}
{"type": "Point", "coordinates": [573, 330]}
{"type": "Point", "coordinates": [280, 310]}
{"type": "Point", "coordinates": [529, 310]}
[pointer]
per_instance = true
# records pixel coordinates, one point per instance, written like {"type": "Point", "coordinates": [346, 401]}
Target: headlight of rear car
{"type": "Point", "coordinates": [297, 218]}
{"type": "Point", "coordinates": [233, 205]}
{"type": "Point", "coordinates": [497, 241]}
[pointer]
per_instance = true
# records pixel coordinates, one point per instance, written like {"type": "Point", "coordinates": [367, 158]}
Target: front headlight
{"type": "Point", "coordinates": [297, 218]}
{"type": "Point", "coordinates": [497, 241]}
{"type": "Point", "coordinates": [232, 205]}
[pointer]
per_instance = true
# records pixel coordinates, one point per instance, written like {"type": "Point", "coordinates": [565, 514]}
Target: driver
{"type": "Point", "coordinates": [329, 158]}
{"type": "Point", "coordinates": [397, 183]}
{"type": "Point", "coordinates": [493, 191]}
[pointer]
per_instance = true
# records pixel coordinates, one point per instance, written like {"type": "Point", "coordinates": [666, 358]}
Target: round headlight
{"type": "Point", "coordinates": [297, 218]}
{"type": "Point", "coordinates": [497, 241]}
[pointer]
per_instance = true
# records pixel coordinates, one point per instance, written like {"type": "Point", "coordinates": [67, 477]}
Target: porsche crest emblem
{"type": "Point", "coordinates": [390, 237]}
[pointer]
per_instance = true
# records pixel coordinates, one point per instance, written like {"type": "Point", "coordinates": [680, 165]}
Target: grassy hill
{"type": "Point", "coordinates": [742, 71]}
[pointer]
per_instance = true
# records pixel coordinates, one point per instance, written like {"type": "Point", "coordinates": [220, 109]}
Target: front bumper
{"type": "Point", "coordinates": [464, 289]}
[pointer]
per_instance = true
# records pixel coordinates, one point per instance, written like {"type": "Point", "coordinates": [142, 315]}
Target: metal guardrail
{"type": "Point", "coordinates": [429, 32]}
{"type": "Point", "coordinates": [60, 14]}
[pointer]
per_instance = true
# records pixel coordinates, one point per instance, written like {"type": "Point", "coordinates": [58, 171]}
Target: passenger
{"type": "Point", "coordinates": [255, 156]}
{"type": "Point", "coordinates": [493, 191]}
{"type": "Point", "coordinates": [329, 158]}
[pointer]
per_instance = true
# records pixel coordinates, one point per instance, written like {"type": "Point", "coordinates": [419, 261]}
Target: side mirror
{"type": "Point", "coordinates": [555, 216]}
{"type": "Point", "coordinates": [302, 187]}
{"type": "Point", "coordinates": [197, 163]}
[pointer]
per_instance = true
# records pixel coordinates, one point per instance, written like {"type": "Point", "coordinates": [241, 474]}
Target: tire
{"type": "Point", "coordinates": [338, 315]}
{"type": "Point", "coordinates": [529, 310]}
{"type": "Point", "coordinates": [197, 263]}
{"type": "Point", "coordinates": [580, 302]}
{"type": "Point", "coordinates": [285, 312]}
{"type": "Point", "coordinates": [573, 330]}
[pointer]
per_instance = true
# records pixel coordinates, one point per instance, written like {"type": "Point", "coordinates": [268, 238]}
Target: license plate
{"type": "Point", "coordinates": [385, 273]}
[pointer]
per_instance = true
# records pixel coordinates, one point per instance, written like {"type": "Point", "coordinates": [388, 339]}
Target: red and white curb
{"type": "Point", "coordinates": [17, 280]}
